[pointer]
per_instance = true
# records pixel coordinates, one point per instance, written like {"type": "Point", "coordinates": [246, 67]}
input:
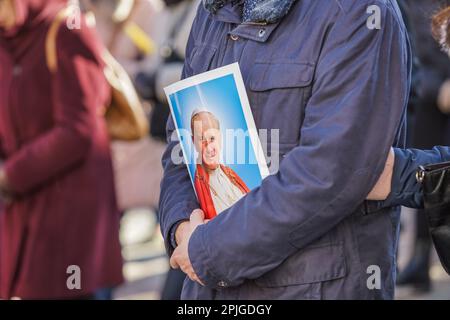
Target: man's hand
{"type": "Point", "coordinates": [180, 257]}
{"type": "Point", "coordinates": [182, 231]}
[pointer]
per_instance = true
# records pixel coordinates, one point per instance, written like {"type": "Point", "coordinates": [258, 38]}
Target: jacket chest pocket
{"type": "Point", "coordinates": [278, 93]}
{"type": "Point", "coordinates": [200, 59]}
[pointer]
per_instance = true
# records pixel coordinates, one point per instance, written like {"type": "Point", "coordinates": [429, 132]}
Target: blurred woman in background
{"type": "Point", "coordinates": [59, 228]}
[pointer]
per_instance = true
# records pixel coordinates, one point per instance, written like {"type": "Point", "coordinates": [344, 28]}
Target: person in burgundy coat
{"type": "Point", "coordinates": [56, 178]}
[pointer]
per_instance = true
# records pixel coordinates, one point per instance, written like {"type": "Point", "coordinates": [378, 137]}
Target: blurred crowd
{"type": "Point", "coordinates": [148, 39]}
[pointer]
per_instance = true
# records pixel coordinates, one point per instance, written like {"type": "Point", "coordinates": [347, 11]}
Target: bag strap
{"type": "Point", "coordinates": [50, 41]}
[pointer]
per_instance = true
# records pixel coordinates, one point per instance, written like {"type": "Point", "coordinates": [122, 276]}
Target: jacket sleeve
{"type": "Point", "coordinates": [351, 121]}
{"type": "Point", "coordinates": [77, 95]}
{"type": "Point", "coordinates": [177, 199]}
{"type": "Point", "coordinates": [405, 190]}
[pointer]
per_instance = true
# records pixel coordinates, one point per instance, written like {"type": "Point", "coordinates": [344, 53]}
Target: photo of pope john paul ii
{"type": "Point", "coordinates": [220, 144]}
{"type": "Point", "coordinates": [217, 186]}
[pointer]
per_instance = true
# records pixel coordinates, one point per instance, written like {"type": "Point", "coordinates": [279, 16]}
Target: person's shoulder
{"type": "Point", "coordinates": [77, 30]}
{"type": "Point", "coordinates": [347, 6]}
{"type": "Point", "coordinates": [76, 35]}
{"type": "Point", "coordinates": [201, 12]}
{"type": "Point", "coordinates": [357, 10]}
{"type": "Point", "coordinates": [349, 11]}
{"type": "Point", "coordinates": [352, 9]}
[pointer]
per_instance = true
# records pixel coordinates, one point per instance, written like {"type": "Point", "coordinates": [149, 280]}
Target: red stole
{"type": "Point", "coordinates": [201, 184]}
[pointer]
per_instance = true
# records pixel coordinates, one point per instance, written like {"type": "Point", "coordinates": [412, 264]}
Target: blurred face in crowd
{"type": "Point", "coordinates": [207, 139]}
{"type": "Point", "coordinates": [7, 14]}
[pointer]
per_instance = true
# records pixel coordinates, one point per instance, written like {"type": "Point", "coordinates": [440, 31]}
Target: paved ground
{"type": "Point", "coordinates": [146, 260]}
{"type": "Point", "coordinates": [147, 263]}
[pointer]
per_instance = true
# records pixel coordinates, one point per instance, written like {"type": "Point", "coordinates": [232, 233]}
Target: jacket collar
{"type": "Point", "coordinates": [232, 13]}
{"type": "Point", "coordinates": [256, 11]}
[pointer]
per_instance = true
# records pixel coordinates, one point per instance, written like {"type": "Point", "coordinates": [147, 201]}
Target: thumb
{"type": "Point", "coordinates": [197, 217]}
{"type": "Point", "coordinates": [174, 262]}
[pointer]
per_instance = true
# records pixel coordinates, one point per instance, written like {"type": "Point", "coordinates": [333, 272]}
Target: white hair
{"type": "Point", "coordinates": [198, 111]}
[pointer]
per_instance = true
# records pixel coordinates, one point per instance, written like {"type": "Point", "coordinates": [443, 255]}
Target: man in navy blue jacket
{"type": "Point", "coordinates": [337, 90]}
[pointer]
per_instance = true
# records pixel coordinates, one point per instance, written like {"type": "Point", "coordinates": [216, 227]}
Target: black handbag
{"type": "Point", "coordinates": [435, 180]}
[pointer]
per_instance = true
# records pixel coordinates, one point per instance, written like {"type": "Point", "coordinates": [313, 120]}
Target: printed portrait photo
{"type": "Point", "coordinates": [218, 137]}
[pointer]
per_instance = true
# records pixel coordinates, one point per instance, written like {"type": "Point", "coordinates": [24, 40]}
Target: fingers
{"type": "Point", "coordinates": [178, 262]}
{"type": "Point", "coordinates": [195, 278]}
{"type": "Point", "coordinates": [181, 232]}
{"type": "Point", "coordinates": [197, 217]}
{"type": "Point", "coordinates": [180, 259]}
{"type": "Point", "coordinates": [189, 271]}
{"type": "Point", "coordinates": [174, 261]}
